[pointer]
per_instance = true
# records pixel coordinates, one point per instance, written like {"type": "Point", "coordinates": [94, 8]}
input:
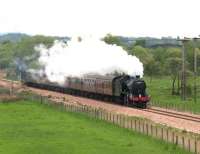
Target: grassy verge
{"type": "Point", "coordinates": [160, 92]}
{"type": "Point", "coordinates": [27, 127]}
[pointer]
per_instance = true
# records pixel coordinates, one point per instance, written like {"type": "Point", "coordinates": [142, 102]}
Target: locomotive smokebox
{"type": "Point", "coordinates": [137, 76]}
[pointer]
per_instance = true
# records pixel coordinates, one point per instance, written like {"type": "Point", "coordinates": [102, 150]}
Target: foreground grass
{"type": "Point", "coordinates": [160, 91]}
{"type": "Point", "coordinates": [32, 128]}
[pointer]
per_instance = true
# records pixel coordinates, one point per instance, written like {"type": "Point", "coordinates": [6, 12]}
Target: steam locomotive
{"type": "Point", "coordinates": [123, 89]}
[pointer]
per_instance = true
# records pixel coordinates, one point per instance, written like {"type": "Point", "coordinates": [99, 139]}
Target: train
{"type": "Point", "coordinates": [123, 89]}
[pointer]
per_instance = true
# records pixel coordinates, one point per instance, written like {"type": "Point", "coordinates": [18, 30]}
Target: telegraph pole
{"type": "Point", "coordinates": [195, 68]}
{"type": "Point", "coordinates": [183, 82]}
{"type": "Point", "coordinates": [183, 72]}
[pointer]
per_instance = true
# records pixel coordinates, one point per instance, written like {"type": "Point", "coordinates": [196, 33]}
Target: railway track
{"type": "Point", "coordinates": [174, 114]}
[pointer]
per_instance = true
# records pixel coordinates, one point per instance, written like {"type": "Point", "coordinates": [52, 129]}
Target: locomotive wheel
{"type": "Point", "coordinates": [126, 100]}
{"type": "Point", "coordinates": [144, 105]}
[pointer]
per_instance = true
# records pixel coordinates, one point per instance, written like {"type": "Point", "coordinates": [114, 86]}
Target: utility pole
{"type": "Point", "coordinates": [183, 72]}
{"type": "Point", "coordinates": [195, 68]}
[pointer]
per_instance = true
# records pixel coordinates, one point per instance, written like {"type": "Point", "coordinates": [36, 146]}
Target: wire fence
{"type": "Point", "coordinates": [160, 90]}
{"type": "Point", "coordinates": [186, 140]}
{"type": "Point", "coordinates": [4, 90]}
{"type": "Point", "coordinates": [181, 107]}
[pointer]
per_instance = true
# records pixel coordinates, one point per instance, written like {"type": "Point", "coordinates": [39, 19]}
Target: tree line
{"type": "Point", "coordinates": [15, 56]}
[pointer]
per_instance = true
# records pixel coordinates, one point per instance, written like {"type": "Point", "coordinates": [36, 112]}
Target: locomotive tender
{"type": "Point", "coordinates": [122, 89]}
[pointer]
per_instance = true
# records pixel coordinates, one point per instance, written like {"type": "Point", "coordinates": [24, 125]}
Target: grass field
{"type": "Point", "coordinates": [160, 92]}
{"type": "Point", "coordinates": [33, 128]}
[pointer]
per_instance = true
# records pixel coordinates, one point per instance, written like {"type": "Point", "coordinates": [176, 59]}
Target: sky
{"type": "Point", "coordinates": [154, 18]}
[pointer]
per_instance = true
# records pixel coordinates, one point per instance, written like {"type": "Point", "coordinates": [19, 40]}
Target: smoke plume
{"type": "Point", "coordinates": [85, 56]}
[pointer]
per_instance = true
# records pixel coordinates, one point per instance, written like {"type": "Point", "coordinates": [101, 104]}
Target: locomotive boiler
{"type": "Point", "coordinates": [123, 89]}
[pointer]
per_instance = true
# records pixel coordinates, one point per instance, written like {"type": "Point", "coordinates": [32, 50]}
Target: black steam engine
{"type": "Point", "coordinates": [122, 89]}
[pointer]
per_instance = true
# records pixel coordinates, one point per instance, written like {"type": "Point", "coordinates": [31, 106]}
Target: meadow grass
{"type": "Point", "coordinates": [160, 91]}
{"type": "Point", "coordinates": [33, 128]}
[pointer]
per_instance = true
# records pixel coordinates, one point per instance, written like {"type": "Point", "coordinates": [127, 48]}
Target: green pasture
{"type": "Point", "coordinates": [159, 88]}
{"type": "Point", "coordinates": [33, 128]}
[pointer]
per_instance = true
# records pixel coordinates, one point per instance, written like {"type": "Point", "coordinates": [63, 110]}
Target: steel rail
{"type": "Point", "coordinates": [173, 114]}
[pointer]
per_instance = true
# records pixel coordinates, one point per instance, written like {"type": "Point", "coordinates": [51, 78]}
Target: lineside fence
{"type": "Point", "coordinates": [183, 139]}
{"type": "Point", "coordinates": [4, 90]}
{"type": "Point", "coordinates": [182, 107]}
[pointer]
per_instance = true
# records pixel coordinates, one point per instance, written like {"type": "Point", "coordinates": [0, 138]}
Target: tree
{"type": "Point", "coordinates": [198, 60]}
{"type": "Point", "coordinates": [173, 67]}
{"type": "Point", "coordinates": [140, 42]}
{"type": "Point", "coordinates": [151, 67]}
{"type": "Point", "coordinates": [110, 39]}
{"type": "Point", "coordinates": [25, 53]}
{"type": "Point", "coordinates": [6, 54]}
{"type": "Point", "coordinates": [20, 55]}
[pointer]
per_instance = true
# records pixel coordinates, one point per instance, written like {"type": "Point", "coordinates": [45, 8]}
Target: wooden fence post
{"type": "Point", "coordinates": [71, 108]}
{"type": "Point", "coordinates": [85, 109]}
{"type": "Point", "coordinates": [198, 146]}
{"type": "Point", "coordinates": [143, 131]}
{"type": "Point", "coordinates": [113, 118]}
{"type": "Point", "coordinates": [121, 121]}
{"type": "Point", "coordinates": [95, 113]}
{"type": "Point", "coordinates": [101, 115]}
{"type": "Point", "coordinates": [183, 142]}
{"type": "Point", "coordinates": [195, 146]}
{"type": "Point", "coordinates": [131, 124]}
{"type": "Point", "coordinates": [173, 137]}
{"type": "Point", "coordinates": [124, 121]}
{"type": "Point", "coordinates": [189, 146]}
{"type": "Point", "coordinates": [118, 120]}
{"type": "Point", "coordinates": [176, 140]}
{"type": "Point", "coordinates": [156, 132]}
{"type": "Point", "coordinates": [135, 124]}
{"type": "Point", "coordinates": [167, 135]}
{"type": "Point", "coordinates": [98, 114]}
{"type": "Point", "coordinates": [151, 130]}
{"type": "Point", "coordinates": [147, 128]}
{"type": "Point", "coordinates": [78, 108]}
{"type": "Point", "coordinates": [139, 125]}
{"type": "Point", "coordinates": [67, 107]}
{"type": "Point", "coordinates": [128, 123]}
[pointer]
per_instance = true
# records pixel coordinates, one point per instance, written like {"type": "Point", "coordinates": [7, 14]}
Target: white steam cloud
{"type": "Point", "coordinates": [86, 56]}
